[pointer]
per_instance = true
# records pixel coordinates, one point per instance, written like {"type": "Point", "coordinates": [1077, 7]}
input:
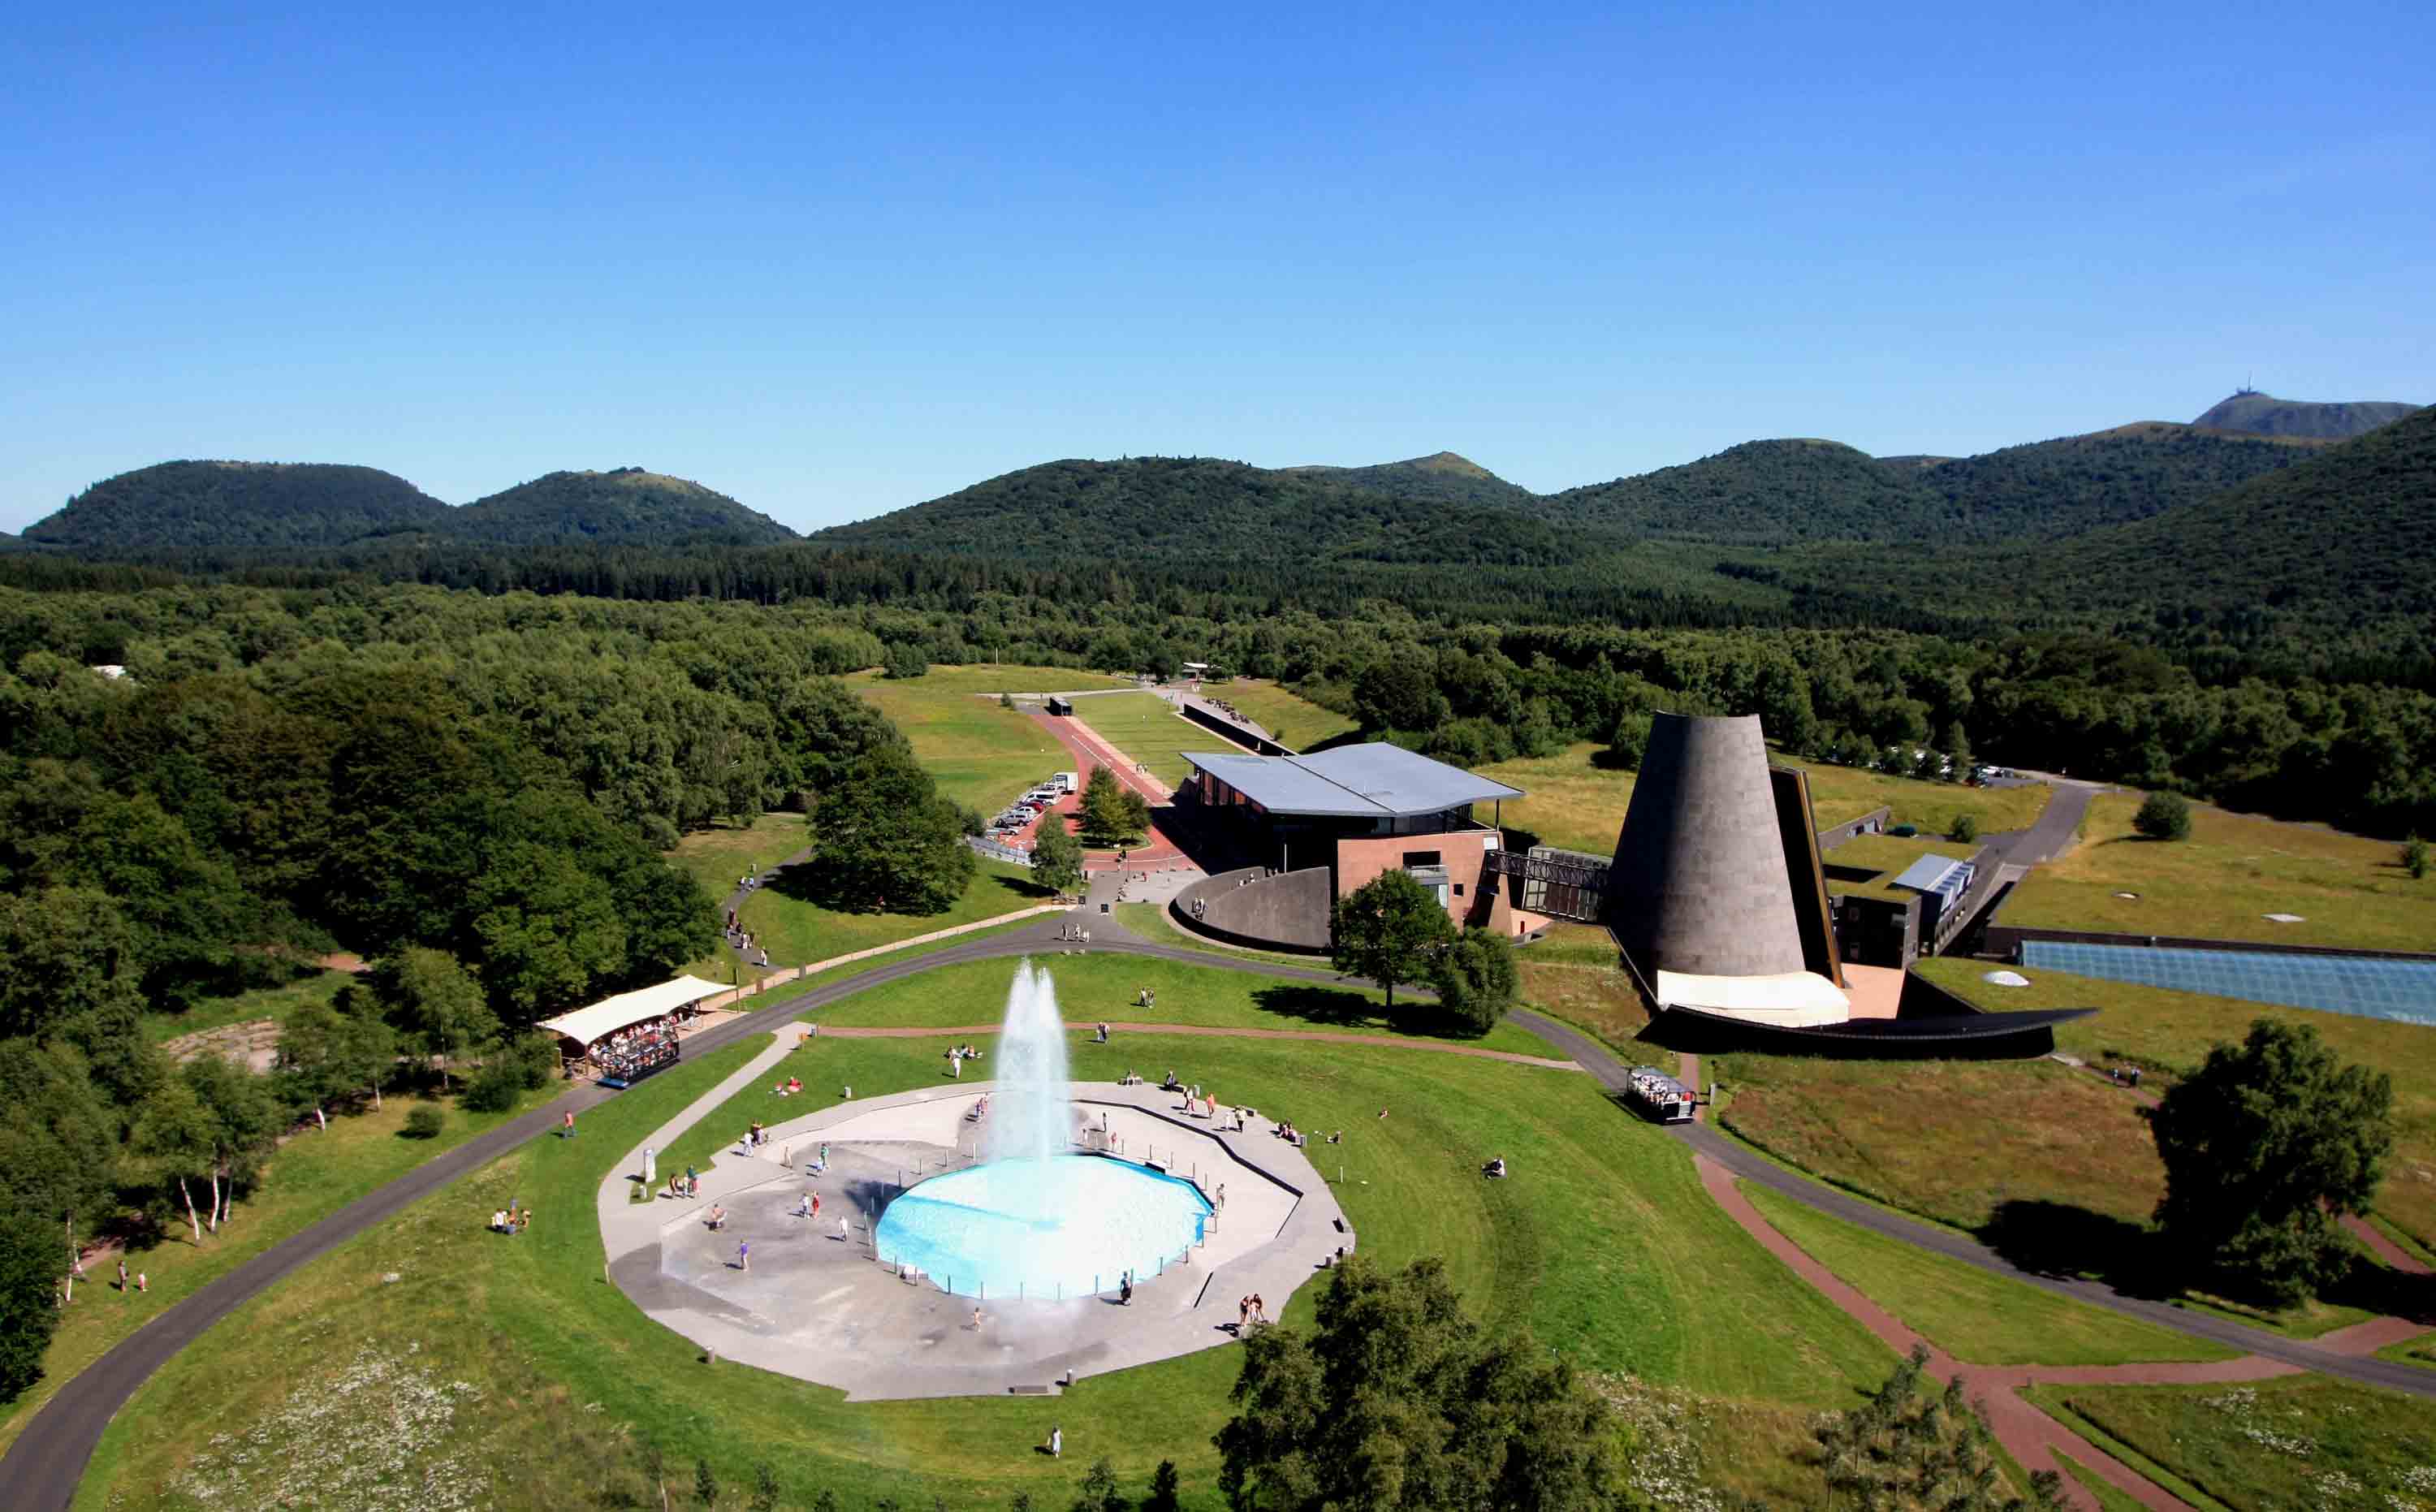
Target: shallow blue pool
{"type": "Point", "coordinates": [1068, 1226]}
{"type": "Point", "coordinates": [2362, 986]}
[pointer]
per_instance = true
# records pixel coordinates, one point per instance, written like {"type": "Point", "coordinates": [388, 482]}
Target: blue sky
{"type": "Point", "coordinates": [835, 262]}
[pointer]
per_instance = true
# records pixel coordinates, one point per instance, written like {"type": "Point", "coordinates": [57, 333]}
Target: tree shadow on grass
{"type": "Point", "coordinates": [806, 884]}
{"type": "Point", "coordinates": [1349, 1008]}
{"type": "Point", "coordinates": [1024, 888]}
{"type": "Point", "coordinates": [2057, 1239]}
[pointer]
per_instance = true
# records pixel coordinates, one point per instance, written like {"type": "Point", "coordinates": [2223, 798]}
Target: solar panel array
{"type": "Point", "coordinates": [2361, 985]}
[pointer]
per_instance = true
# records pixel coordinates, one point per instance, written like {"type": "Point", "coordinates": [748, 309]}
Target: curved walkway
{"type": "Point", "coordinates": [43, 1466]}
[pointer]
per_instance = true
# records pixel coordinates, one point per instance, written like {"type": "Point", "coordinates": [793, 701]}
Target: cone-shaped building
{"type": "Point", "coordinates": [1700, 884]}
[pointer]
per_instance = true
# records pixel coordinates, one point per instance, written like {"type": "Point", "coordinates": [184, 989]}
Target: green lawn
{"type": "Point", "coordinates": [717, 857]}
{"type": "Point", "coordinates": [982, 755]}
{"type": "Point", "coordinates": [1147, 728]}
{"type": "Point", "coordinates": [246, 1007]}
{"type": "Point", "coordinates": [1971, 1315]}
{"type": "Point", "coordinates": [1578, 806]}
{"type": "Point", "coordinates": [2168, 1033]}
{"type": "Point", "coordinates": [1099, 986]}
{"type": "Point", "coordinates": [1884, 857]}
{"type": "Point", "coordinates": [1150, 921]}
{"type": "Point", "coordinates": [2220, 883]}
{"type": "Point", "coordinates": [1297, 723]}
{"type": "Point", "coordinates": [2101, 1490]}
{"type": "Point", "coordinates": [2302, 1441]}
{"type": "Point", "coordinates": [309, 1177]}
{"type": "Point", "coordinates": [797, 931]}
{"type": "Point", "coordinates": [1602, 1243]}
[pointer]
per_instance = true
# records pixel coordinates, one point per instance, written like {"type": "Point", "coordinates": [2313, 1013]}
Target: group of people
{"type": "Point", "coordinates": [513, 1218]}
{"type": "Point", "coordinates": [1074, 934]}
{"type": "Point", "coordinates": [1250, 1311]}
{"type": "Point", "coordinates": [790, 1088]}
{"type": "Point", "coordinates": [957, 1055]}
{"type": "Point", "coordinates": [640, 1047]}
{"type": "Point", "coordinates": [1200, 908]}
{"type": "Point", "coordinates": [688, 1185]}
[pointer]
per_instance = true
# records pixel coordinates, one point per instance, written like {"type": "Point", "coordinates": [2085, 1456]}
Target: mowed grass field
{"type": "Point", "coordinates": [983, 757]}
{"type": "Point", "coordinates": [1092, 987]}
{"type": "Point", "coordinates": [1147, 728]}
{"type": "Point", "coordinates": [2220, 883]}
{"type": "Point", "coordinates": [2168, 1033]}
{"type": "Point", "coordinates": [508, 1373]}
{"type": "Point", "coordinates": [309, 1177]}
{"type": "Point", "coordinates": [1298, 723]}
{"type": "Point", "coordinates": [1580, 807]}
{"type": "Point", "coordinates": [1971, 1315]}
{"type": "Point", "coordinates": [2303, 1441]}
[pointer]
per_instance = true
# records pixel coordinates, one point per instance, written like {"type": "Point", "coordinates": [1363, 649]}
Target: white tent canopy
{"type": "Point", "coordinates": [609, 1014]}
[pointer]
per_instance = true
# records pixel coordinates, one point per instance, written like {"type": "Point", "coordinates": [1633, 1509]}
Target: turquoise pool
{"type": "Point", "coordinates": [1068, 1226]}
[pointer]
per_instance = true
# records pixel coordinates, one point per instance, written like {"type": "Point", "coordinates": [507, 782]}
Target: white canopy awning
{"type": "Point", "coordinates": [609, 1014]}
{"type": "Point", "coordinates": [1793, 998]}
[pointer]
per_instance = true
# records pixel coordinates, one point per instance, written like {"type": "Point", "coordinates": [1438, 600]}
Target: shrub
{"type": "Point", "coordinates": [1966, 828]}
{"type": "Point", "coordinates": [2415, 857]}
{"type": "Point", "coordinates": [424, 1123]}
{"type": "Point", "coordinates": [494, 1088]}
{"type": "Point", "coordinates": [2164, 816]}
{"type": "Point", "coordinates": [536, 1059]}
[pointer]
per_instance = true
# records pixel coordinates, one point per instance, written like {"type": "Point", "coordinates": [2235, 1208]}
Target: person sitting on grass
{"type": "Point", "coordinates": [1495, 1169]}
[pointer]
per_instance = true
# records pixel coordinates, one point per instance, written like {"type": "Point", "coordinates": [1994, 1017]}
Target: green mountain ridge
{"type": "Point", "coordinates": [1444, 476]}
{"type": "Point", "coordinates": [624, 505]}
{"type": "Point", "coordinates": [2264, 414]}
{"type": "Point", "coordinates": [1760, 492]}
{"type": "Point", "coordinates": [219, 506]}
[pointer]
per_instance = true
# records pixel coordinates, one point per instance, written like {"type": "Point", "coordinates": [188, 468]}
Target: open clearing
{"type": "Point", "coordinates": [1147, 728]}
{"type": "Point", "coordinates": [2168, 1033]}
{"type": "Point", "coordinates": [982, 755]}
{"type": "Point", "coordinates": [245, 1007]}
{"type": "Point", "coordinates": [2222, 882]}
{"type": "Point", "coordinates": [511, 1362]}
{"type": "Point", "coordinates": [1579, 807]}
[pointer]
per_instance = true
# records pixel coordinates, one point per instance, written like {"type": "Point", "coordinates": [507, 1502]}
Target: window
{"type": "Point", "coordinates": [1459, 890]}
{"type": "Point", "coordinates": [1423, 857]}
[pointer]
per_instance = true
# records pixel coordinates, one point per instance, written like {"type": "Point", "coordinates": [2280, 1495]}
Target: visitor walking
{"type": "Point", "coordinates": [122, 1278]}
{"type": "Point", "coordinates": [744, 1256]}
{"type": "Point", "coordinates": [1126, 1291]}
{"type": "Point", "coordinates": [845, 1231]}
{"type": "Point", "coordinates": [566, 1124]}
{"type": "Point", "coordinates": [1242, 1313]}
{"type": "Point", "coordinates": [1057, 1442]}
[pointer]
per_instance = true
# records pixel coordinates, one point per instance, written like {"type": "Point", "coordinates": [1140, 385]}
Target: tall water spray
{"type": "Point", "coordinates": [1031, 1111]}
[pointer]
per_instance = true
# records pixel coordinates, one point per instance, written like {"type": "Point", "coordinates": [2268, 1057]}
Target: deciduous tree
{"type": "Point", "coordinates": [2264, 1149]}
{"type": "Point", "coordinates": [1475, 980]}
{"type": "Point", "coordinates": [1056, 856]}
{"type": "Point", "coordinates": [1390, 929]}
{"type": "Point", "coordinates": [883, 839]}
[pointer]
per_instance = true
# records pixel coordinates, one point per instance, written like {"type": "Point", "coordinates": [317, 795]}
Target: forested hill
{"type": "Point", "coordinates": [625, 505]}
{"type": "Point", "coordinates": [2264, 414]}
{"type": "Point", "coordinates": [1441, 476]}
{"type": "Point", "coordinates": [236, 507]}
{"type": "Point", "coordinates": [2352, 530]}
{"type": "Point", "coordinates": [1200, 509]}
{"type": "Point", "coordinates": [2075, 484]}
{"type": "Point", "coordinates": [1761, 492]}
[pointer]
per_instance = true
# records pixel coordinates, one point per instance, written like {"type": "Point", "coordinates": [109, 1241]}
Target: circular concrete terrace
{"type": "Point", "coordinates": [822, 1305]}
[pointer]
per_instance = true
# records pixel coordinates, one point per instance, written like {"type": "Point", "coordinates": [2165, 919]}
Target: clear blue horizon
{"type": "Point", "coordinates": [834, 264]}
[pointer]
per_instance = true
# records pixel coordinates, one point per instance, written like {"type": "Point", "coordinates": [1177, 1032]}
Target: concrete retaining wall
{"type": "Point", "coordinates": [1872, 822]}
{"type": "Point", "coordinates": [1286, 911]}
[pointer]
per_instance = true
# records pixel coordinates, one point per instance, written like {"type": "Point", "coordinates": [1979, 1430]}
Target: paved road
{"type": "Point", "coordinates": [1750, 1166]}
{"type": "Point", "coordinates": [43, 1466]}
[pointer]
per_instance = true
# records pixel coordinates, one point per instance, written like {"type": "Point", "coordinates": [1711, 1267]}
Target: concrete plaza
{"type": "Point", "coordinates": [823, 1307]}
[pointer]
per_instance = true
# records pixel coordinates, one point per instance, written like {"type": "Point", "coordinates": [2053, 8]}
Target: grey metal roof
{"type": "Point", "coordinates": [1352, 782]}
{"type": "Point", "coordinates": [1928, 874]}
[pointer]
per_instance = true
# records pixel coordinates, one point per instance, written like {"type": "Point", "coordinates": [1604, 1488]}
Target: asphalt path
{"type": "Point", "coordinates": [43, 1466]}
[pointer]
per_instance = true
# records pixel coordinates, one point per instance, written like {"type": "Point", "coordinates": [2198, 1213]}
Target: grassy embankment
{"type": "Point", "coordinates": [1099, 986]}
{"type": "Point", "coordinates": [1603, 1244]}
{"type": "Point", "coordinates": [982, 755]}
{"type": "Point", "coordinates": [1969, 1314]}
{"type": "Point", "coordinates": [309, 1177]}
{"type": "Point", "coordinates": [1297, 723]}
{"type": "Point", "coordinates": [2302, 1441]}
{"type": "Point", "coordinates": [2220, 883]}
{"type": "Point", "coordinates": [1581, 807]}
{"type": "Point", "coordinates": [1150, 921]}
{"type": "Point", "coordinates": [2168, 1033]}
